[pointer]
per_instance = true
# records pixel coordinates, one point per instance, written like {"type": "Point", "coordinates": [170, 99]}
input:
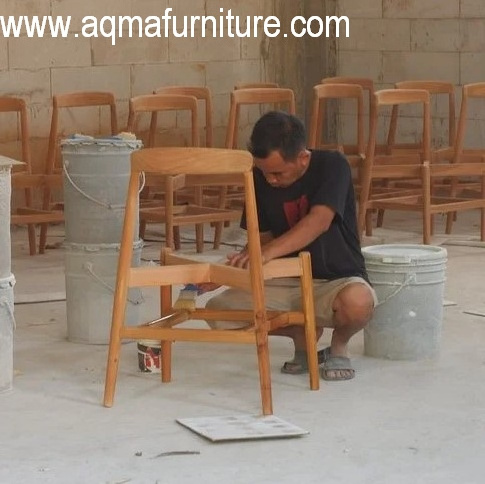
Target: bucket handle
{"type": "Point", "coordinates": [6, 303]}
{"type": "Point", "coordinates": [89, 268]}
{"type": "Point", "coordinates": [409, 279]}
{"type": "Point", "coordinates": [109, 206]}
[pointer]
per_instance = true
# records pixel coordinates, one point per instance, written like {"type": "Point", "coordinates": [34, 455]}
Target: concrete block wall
{"type": "Point", "coordinates": [36, 69]}
{"type": "Point", "coordinates": [396, 40]}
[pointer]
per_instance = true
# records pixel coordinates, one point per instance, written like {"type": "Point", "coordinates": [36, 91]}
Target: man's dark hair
{"type": "Point", "coordinates": [277, 131]}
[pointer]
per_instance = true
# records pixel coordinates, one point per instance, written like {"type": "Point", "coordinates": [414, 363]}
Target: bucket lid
{"type": "Point", "coordinates": [403, 253]}
{"type": "Point", "coordinates": [114, 141]}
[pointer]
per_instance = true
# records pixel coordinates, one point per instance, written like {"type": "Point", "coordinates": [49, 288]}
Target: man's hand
{"type": "Point", "coordinates": [204, 287]}
{"type": "Point", "coordinates": [241, 259]}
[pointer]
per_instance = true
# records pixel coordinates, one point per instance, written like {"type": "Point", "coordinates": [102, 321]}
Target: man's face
{"type": "Point", "coordinates": [282, 173]}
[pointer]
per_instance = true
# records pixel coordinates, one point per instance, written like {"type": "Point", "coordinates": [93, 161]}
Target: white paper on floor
{"type": "Point", "coordinates": [242, 427]}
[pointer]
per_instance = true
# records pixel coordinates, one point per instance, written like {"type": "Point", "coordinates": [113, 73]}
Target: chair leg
{"type": "Point", "coordinates": [368, 223]}
{"type": "Point", "coordinates": [218, 234]}
{"type": "Point", "coordinates": [32, 239]}
{"type": "Point", "coordinates": [142, 229]}
{"type": "Point", "coordinates": [482, 224]}
{"type": "Point", "coordinates": [380, 217]}
{"type": "Point", "coordinates": [264, 371]}
{"type": "Point", "coordinates": [43, 238]}
{"type": "Point", "coordinates": [166, 350]}
{"type": "Point", "coordinates": [449, 222]}
{"type": "Point", "coordinates": [113, 361]}
{"type": "Point", "coordinates": [199, 238]}
{"type": "Point", "coordinates": [31, 227]}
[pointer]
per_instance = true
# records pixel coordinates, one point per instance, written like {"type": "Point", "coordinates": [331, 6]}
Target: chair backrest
{"type": "Point", "coordinates": [434, 88]}
{"type": "Point", "coordinates": [275, 96]}
{"type": "Point", "coordinates": [323, 92]}
{"type": "Point", "coordinates": [255, 85]}
{"type": "Point", "coordinates": [231, 166]}
{"type": "Point", "coordinates": [18, 107]}
{"type": "Point", "coordinates": [470, 91]}
{"type": "Point", "coordinates": [201, 93]}
{"type": "Point", "coordinates": [81, 99]}
{"type": "Point", "coordinates": [155, 103]}
{"type": "Point", "coordinates": [397, 97]}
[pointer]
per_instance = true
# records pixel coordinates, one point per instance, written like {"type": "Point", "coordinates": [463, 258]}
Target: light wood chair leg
{"type": "Point", "coordinates": [264, 372]}
{"type": "Point", "coordinates": [166, 350]}
{"type": "Point", "coordinates": [199, 238]}
{"type": "Point", "coordinates": [380, 218]}
{"type": "Point", "coordinates": [218, 234]}
{"type": "Point", "coordinates": [113, 359]}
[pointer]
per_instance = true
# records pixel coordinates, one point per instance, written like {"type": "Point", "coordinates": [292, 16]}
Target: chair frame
{"type": "Point", "coordinates": [208, 164]}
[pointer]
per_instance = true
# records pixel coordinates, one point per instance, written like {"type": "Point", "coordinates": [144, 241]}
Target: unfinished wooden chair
{"type": "Point", "coordinates": [322, 93]}
{"type": "Point", "coordinates": [263, 97]}
{"type": "Point", "coordinates": [168, 211]}
{"type": "Point", "coordinates": [436, 90]}
{"type": "Point", "coordinates": [230, 166]}
{"type": "Point", "coordinates": [23, 179]}
{"type": "Point", "coordinates": [367, 86]}
{"type": "Point", "coordinates": [70, 101]}
{"type": "Point", "coordinates": [272, 96]}
{"type": "Point", "coordinates": [424, 201]}
{"type": "Point", "coordinates": [203, 95]}
{"type": "Point", "coordinates": [382, 99]}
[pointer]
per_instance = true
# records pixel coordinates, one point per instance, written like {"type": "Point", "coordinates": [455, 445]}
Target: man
{"type": "Point", "coordinates": [305, 201]}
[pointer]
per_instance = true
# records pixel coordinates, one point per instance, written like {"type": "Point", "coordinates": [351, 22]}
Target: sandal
{"type": "Point", "coordinates": [299, 365]}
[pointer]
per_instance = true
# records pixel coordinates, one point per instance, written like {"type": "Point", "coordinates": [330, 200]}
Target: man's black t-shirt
{"type": "Point", "coordinates": [327, 181]}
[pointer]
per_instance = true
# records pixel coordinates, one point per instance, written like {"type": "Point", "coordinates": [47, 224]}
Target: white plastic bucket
{"type": "Point", "coordinates": [409, 282]}
{"type": "Point", "coordinates": [7, 326]}
{"type": "Point", "coordinates": [149, 354]}
{"type": "Point", "coordinates": [96, 177]}
{"type": "Point", "coordinates": [5, 194]}
{"type": "Point", "coordinates": [90, 272]}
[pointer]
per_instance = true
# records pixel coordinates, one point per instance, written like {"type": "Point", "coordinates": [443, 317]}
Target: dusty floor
{"type": "Point", "coordinates": [419, 422]}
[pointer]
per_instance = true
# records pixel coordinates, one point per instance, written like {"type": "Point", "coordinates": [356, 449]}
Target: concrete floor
{"type": "Point", "coordinates": [419, 422]}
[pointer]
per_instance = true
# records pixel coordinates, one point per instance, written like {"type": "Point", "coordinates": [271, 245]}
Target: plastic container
{"type": "Point", "coordinates": [96, 177]}
{"type": "Point", "coordinates": [90, 272]}
{"type": "Point", "coordinates": [409, 282]}
{"type": "Point", "coordinates": [149, 353]}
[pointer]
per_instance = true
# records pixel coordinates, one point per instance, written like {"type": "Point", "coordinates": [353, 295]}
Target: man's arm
{"type": "Point", "coordinates": [315, 223]}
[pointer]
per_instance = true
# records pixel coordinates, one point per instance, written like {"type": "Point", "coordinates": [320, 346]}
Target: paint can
{"type": "Point", "coordinates": [149, 355]}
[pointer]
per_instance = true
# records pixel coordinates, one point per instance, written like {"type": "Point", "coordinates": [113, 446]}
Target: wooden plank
{"type": "Point", "coordinates": [186, 334]}
{"type": "Point", "coordinates": [165, 275]}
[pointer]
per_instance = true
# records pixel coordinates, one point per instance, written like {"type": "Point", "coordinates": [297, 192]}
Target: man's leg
{"type": "Point", "coordinates": [346, 305]}
{"type": "Point", "coordinates": [352, 310]}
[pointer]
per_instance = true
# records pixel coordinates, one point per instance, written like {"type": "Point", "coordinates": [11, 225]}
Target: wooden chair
{"type": "Point", "coordinates": [209, 164]}
{"type": "Point", "coordinates": [169, 212]}
{"type": "Point", "coordinates": [424, 201]}
{"type": "Point", "coordinates": [390, 97]}
{"type": "Point", "coordinates": [367, 86]}
{"type": "Point", "coordinates": [322, 93]}
{"type": "Point", "coordinates": [23, 179]}
{"type": "Point", "coordinates": [71, 100]}
{"type": "Point", "coordinates": [435, 89]}
{"type": "Point", "coordinates": [275, 96]}
{"type": "Point", "coordinates": [201, 93]}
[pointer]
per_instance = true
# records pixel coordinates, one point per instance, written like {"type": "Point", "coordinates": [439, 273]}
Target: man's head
{"type": "Point", "coordinates": [277, 144]}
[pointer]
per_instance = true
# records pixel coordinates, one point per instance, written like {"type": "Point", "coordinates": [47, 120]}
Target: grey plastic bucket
{"type": "Point", "coordinates": [409, 282]}
{"type": "Point", "coordinates": [7, 326]}
{"type": "Point", "coordinates": [90, 272]}
{"type": "Point", "coordinates": [5, 194]}
{"type": "Point", "coordinates": [96, 177]}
